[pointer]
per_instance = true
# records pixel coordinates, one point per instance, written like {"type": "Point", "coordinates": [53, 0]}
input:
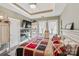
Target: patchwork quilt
{"type": "Point", "coordinates": [39, 47]}
{"type": "Point", "coordinates": [31, 48]}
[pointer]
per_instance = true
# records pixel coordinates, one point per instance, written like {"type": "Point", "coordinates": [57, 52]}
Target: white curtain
{"type": "Point", "coordinates": [53, 27]}
{"type": "Point", "coordinates": [42, 27]}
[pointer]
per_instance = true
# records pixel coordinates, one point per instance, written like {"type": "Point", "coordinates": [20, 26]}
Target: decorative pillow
{"type": "Point", "coordinates": [68, 26]}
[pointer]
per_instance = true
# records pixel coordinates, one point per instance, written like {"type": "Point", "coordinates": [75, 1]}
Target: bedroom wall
{"type": "Point", "coordinates": [70, 14]}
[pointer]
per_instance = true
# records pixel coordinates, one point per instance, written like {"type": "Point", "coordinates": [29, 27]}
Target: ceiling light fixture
{"type": "Point", "coordinates": [32, 5]}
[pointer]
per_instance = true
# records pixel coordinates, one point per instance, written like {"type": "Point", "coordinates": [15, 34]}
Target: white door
{"type": "Point", "coordinates": [14, 32]}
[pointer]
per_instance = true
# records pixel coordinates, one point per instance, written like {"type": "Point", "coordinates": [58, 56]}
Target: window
{"type": "Point", "coordinates": [52, 26]}
{"type": "Point", "coordinates": [42, 27]}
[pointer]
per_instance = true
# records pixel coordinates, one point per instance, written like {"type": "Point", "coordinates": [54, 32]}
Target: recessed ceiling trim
{"type": "Point", "coordinates": [20, 7]}
{"type": "Point", "coordinates": [40, 12]}
{"type": "Point", "coordinates": [46, 11]}
{"type": "Point", "coordinates": [47, 18]}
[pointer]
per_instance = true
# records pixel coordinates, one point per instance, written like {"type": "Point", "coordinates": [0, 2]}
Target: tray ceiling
{"type": "Point", "coordinates": [42, 9]}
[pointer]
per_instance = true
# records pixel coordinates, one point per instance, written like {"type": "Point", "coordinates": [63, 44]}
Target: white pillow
{"type": "Point", "coordinates": [68, 26]}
